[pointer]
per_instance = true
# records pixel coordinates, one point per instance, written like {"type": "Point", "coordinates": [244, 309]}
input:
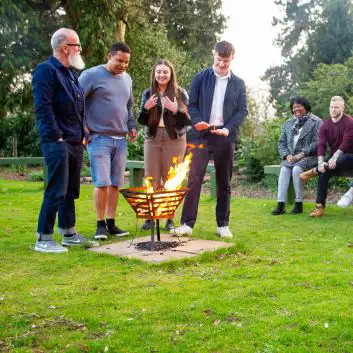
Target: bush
{"type": "Point", "coordinates": [260, 150]}
{"type": "Point", "coordinates": [22, 127]}
{"type": "Point", "coordinates": [36, 176]}
{"type": "Point", "coordinates": [271, 182]}
{"type": "Point", "coordinates": [136, 148]}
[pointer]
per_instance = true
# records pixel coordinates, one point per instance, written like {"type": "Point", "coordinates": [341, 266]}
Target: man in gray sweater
{"type": "Point", "coordinates": [108, 95]}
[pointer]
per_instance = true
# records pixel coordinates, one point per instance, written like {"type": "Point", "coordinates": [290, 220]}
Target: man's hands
{"type": "Point", "coordinates": [220, 132]}
{"type": "Point", "coordinates": [133, 135]}
{"type": "Point", "coordinates": [332, 163]}
{"type": "Point", "coordinates": [321, 167]}
{"type": "Point", "coordinates": [202, 125]}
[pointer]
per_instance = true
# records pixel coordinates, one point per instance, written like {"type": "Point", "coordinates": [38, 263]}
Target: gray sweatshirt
{"type": "Point", "coordinates": [108, 101]}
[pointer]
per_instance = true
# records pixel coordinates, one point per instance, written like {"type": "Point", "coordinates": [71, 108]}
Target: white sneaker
{"type": "Point", "coordinates": [224, 232]}
{"type": "Point", "coordinates": [346, 199]}
{"type": "Point", "coordinates": [182, 230]}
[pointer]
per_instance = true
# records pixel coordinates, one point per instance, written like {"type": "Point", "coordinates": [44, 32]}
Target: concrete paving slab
{"type": "Point", "coordinates": [188, 247]}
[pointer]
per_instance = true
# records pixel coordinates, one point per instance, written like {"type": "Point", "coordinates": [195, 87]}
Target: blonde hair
{"type": "Point", "coordinates": [337, 99]}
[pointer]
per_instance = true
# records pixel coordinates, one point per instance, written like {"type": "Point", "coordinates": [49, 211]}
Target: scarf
{"type": "Point", "coordinates": [299, 124]}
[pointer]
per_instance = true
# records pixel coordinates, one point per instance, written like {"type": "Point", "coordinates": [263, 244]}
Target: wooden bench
{"type": "Point", "coordinates": [135, 169]}
{"type": "Point", "coordinates": [275, 170]}
{"type": "Point", "coordinates": [137, 175]}
{"type": "Point", "coordinates": [27, 161]}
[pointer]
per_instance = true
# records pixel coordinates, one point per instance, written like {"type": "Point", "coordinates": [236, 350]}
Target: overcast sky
{"type": "Point", "coordinates": [251, 32]}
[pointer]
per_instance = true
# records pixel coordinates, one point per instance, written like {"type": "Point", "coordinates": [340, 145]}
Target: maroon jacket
{"type": "Point", "coordinates": [336, 136]}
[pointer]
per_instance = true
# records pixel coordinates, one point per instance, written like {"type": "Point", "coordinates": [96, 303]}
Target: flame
{"type": "Point", "coordinates": [148, 184]}
{"type": "Point", "coordinates": [177, 174]}
{"type": "Point", "coordinates": [191, 146]}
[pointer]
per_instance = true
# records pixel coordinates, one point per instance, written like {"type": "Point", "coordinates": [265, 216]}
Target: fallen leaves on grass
{"type": "Point", "coordinates": [207, 312]}
{"type": "Point", "coordinates": [232, 318]}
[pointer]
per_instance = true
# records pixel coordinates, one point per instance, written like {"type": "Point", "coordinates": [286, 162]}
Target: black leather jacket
{"type": "Point", "coordinates": [176, 124]}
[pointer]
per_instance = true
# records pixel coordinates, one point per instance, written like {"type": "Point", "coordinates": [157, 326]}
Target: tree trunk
{"type": "Point", "coordinates": [120, 35]}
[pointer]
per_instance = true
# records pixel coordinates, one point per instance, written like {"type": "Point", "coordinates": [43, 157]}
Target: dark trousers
{"type": "Point", "coordinates": [223, 152]}
{"type": "Point", "coordinates": [64, 162]}
{"type": "Point", "coordinates": [344, 163]}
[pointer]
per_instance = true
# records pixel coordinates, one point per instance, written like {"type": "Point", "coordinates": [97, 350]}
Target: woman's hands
{"type": "Point", "coordinates": [289, 158]}
{"type": "Point", "coordinates": [170, 105]}
{"type": "Point", "coordinates": [296, 158]}
{"type": "Point", "coordinates": [151, 102]}
{"type": "Point", "coordinates": [166, 102]}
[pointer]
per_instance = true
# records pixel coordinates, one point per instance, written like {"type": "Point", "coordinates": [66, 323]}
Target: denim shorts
{"type": "Point", "coordinates": [108, 160]}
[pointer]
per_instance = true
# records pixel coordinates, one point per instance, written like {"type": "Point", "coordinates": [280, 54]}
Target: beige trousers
{"type": "Point", "coordinates": [158, 154]}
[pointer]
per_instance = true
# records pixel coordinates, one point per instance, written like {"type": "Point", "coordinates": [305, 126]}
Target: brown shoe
{"type": "Point", "coordinates": [309, 174]}
{"type": "Point", "coordinates": [319, 211]}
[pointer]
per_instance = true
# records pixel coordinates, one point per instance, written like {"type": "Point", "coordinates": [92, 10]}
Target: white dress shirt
{"type": "Point", "coordinates": [216, 117]}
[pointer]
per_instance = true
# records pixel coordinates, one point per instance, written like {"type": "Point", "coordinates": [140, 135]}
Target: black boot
{"type": "Point", "coordinates": [279, 209]}
{"type": "Point", "coordinates": [298, 208]}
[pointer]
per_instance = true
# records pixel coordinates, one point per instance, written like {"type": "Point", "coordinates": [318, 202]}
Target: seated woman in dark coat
{"type": "Point", "coordinates": [297, 147]}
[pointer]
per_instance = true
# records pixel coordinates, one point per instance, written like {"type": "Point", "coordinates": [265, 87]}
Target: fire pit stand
{"type": "Point", "coordinates": [156, 205]}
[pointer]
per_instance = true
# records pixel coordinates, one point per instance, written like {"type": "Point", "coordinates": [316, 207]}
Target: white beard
{"type": "Point", "coordinates": [76, 61]}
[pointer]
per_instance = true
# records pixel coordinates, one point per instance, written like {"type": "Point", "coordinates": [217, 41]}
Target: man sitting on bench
{"type": "Point", "coordinates": [337, 134]}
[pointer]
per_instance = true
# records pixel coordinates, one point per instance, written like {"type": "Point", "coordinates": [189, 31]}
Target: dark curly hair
{"type": "Point", "coordinates": [302, 101]}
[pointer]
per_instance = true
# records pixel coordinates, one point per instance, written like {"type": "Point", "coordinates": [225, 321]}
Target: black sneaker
{"type": "Point", "coordinates": [147, 225]}
{"type": "Point", "coordinates": [114, 230]}
{"type": "Point", "coordinates": [101, 233]}
{"type": "Point", "coordinates": [169, 225]}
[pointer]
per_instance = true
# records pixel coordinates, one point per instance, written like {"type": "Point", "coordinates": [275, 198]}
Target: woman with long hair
{"type": "Point", "coordinates": [164, 114]}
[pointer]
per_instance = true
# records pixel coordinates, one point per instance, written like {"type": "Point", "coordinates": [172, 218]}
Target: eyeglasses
{"type": "Point", "coordinates": [74, 45]}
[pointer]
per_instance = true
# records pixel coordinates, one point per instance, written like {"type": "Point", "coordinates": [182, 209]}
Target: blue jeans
{"type": "Point", "coordinates": [64, 161]}
{"type": "Point", "coordinates": [107, 157]}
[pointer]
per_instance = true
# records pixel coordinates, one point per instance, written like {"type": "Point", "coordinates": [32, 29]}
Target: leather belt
{"type": "Point", "coordinates": [216, 127]}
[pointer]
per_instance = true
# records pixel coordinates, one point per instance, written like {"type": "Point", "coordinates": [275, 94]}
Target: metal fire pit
{"type": "Point", "coordinates": [158, 205]}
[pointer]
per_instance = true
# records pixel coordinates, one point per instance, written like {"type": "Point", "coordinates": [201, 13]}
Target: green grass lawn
{"type": "Point", "coordinates": [285, 286]}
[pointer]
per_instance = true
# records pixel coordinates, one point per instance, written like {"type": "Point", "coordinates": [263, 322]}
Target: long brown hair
{"type": "Point", "coordinates": [171, 91]}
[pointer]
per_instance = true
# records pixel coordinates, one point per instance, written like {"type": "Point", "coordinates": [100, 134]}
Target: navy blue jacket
{"type": "Point", "coordinates": [58, 102]}
{"type": "Point", "coordinates": [201, 98]}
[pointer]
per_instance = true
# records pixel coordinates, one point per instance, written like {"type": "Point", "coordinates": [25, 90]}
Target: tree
{"type": "Point", "coordinates": [330, 80]}
{"type": "Point", "coordinates": [22, 44]}
{"type": "Point", "coordinates": [312, 32]}
{"type": "Point", "coordinates": [27, 25]}
{"type": "Point", "coordinates": [193, 25]}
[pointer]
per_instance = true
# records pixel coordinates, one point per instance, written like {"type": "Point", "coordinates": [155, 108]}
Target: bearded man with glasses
{"type": "Point", "coordinates": [59, 109]}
